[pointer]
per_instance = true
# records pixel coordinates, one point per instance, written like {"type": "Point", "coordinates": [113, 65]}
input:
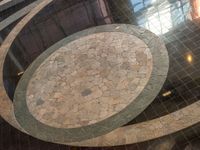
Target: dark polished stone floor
{"type": "Point", "coordinates": [169, 19]}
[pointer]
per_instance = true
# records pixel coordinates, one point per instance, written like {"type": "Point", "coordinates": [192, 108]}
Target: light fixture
{"type": "Point", "coordinates": [117, 27]}
{"type": "Point", "coordinates": [20, 73]}
{"type": "Point", "coordinates": [189, 58]}
{"type": "Point", "coordinates": [166, 93]}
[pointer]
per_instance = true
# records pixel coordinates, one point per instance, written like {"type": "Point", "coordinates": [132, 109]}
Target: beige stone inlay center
{"type": "Point", "coordinates": [89, 79]}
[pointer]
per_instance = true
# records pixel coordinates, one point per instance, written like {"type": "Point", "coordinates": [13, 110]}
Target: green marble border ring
{"type": "Point", "coordinates": [141, 131]}
{"type": "Point", "coordinates": [62, 135]}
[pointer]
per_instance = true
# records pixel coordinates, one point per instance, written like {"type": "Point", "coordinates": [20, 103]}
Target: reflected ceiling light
{"type": "Point", "coordinates": [167, 93]}
{"type": "Point", "coordinates": [153, 1]}
{"type": "Point", "coordinates": [189, 58]}
{"type": "Point", "coordinates": [20, 73]}
{"type": "Point", "coordinates": [117, 27]}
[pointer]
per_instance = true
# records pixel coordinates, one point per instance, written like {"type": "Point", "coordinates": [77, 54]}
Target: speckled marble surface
{"type": "Point", "coordinates": [147, 95]}
{"type": "Point", "coordinates": [7, 107]}
{"type": "Point", "coordinates": [89, 79]}
{"type": "Point", "coordinates": [163, 125]}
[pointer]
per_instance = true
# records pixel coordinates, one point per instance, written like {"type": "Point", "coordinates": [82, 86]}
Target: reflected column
{"type": "Point", "coordinates": [195, 4]}
{"type": "Point", "coordinates": [123, 11]}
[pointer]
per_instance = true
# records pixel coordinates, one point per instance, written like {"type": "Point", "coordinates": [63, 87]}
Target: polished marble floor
{"type": "Point", "coordinates": [91, 74]}
{"type": "Point", "coordinates": [175, 21]}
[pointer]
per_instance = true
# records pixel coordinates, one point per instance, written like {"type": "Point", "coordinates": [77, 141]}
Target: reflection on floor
{"type": "Point", "coordinates": [182, 85]}
{"type": "Point", "coordinates": [5, 4]}
{"type": "Point", "coordinates": [174, 21]}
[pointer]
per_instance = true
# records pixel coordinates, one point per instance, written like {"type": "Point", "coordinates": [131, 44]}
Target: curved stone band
{"type": "Point", "coordinates": [6, 107]}
{"type": "Point", "coordinates": [148, 130]}
{"type": "Point", "coordinates": [147, 95]}
{"type": "Point", "coordinates": [140, 132]}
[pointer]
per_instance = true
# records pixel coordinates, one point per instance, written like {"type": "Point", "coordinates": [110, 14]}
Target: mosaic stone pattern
{"type": "Point", "coordinates": [145, 130]}
{"type": "Point", "coordinates": [66, 135]}
{"type": "Point", "coordinates": [6, 110]}
{"type": "Point", "coordinates": [89, 79]}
